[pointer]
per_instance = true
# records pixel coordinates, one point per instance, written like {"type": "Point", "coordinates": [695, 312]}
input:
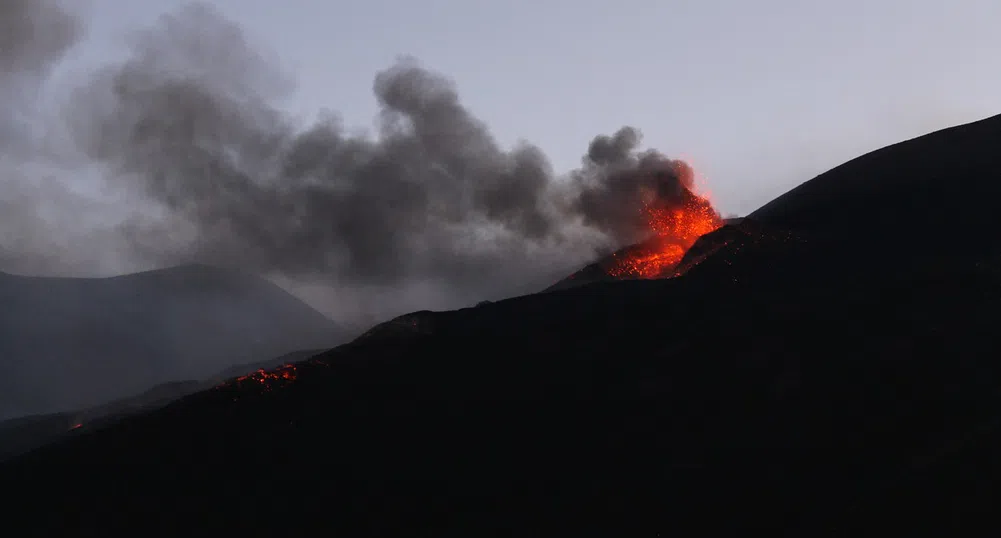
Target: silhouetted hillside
{"type": "Point", "coordinates": [71, 343]}
{"type": "Point", "coordinates": [828, 368]}
{"type": "Point", "coordinates": [21, 434]}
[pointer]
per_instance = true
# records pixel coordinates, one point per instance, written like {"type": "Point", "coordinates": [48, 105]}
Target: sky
{"type": "Point", "coordinates": [758, 96]}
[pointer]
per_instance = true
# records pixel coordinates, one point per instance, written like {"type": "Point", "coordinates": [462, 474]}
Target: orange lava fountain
{"type": "Point", "coordinates": [675, 230]}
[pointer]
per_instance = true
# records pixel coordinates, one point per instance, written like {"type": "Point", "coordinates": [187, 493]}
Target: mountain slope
{"type": "Point", "coordinates": [799, 382]}
{"type": "Point", "coordinates": [25, 433]}
{"type": "Point", "coordinates": [70, 343]}
{"type": "Point", "coordinates": [934, 178]}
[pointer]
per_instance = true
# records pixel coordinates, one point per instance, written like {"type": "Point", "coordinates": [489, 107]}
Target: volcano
{"type": "Point", "coordinates": [828, 366]}
{"type": "Point", "coordinates": [674, 228]}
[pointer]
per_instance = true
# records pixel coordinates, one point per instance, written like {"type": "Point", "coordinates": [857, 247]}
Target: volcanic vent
{"type": "Point", "coordinates": [675, 215]}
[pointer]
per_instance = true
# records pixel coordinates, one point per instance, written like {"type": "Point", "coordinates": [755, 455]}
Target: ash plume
{"type": "Point", "coordinates": [428, 202]}
{"type": "Point", "coordinates": [34, 37]}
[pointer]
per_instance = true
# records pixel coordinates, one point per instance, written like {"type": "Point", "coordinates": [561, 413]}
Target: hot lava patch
{"type": "Point", "coordinates": [268, 380]}
{"type": "Point", "coordinates": [673, 223]}
{"type": "Point", "coordinates": [674, 231]}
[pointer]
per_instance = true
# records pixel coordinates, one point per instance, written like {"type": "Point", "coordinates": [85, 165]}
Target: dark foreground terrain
{"type": "Point", "coordinates": [835, 372]}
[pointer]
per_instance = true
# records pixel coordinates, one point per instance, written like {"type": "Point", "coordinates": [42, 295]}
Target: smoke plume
{"type": "Point", "coordinates": [34, 36]}
{"type": "Point", "coordinates": [429, 207]}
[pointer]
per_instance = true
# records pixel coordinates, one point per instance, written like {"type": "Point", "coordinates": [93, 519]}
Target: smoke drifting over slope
{"type": "Point", "coordinates": [431, 201]}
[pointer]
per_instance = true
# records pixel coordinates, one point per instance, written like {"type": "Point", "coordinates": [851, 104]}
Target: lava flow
{"type": "Point", "coordinates": [269, 379]}
{"type": "Point", "coordinates": [675, 230]}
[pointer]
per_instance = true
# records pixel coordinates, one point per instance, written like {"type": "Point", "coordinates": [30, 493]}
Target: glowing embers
{"type": "Point", "coordinates": [675, 231]}
{"type": "Point", "coordinates": [269, 380]}
{"type": "Point", "coordinates": [646, 262]}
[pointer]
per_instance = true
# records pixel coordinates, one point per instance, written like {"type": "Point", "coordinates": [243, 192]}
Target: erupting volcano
{"type": "Point", "coordinates": [674, 229]}
{"type": "Point", "coordinates": [667, 213]}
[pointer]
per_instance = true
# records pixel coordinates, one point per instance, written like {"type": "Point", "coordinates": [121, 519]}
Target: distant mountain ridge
{"type": "Point", "coordinates": [73, 343]}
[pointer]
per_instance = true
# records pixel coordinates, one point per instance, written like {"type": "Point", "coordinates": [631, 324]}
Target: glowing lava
{"type": "Point", "coordinates": [270, 379]}
{"type": "Point", "coordinates": [675, 230]}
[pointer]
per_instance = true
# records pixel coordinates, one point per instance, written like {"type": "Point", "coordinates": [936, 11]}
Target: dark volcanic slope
{"type": "Point", "coordinates": [70, 343]}
{"type": "Point", "coordinates": [800, 384]}
{"type": "Point", "coordinates": [945, 181]}
{"type": "Point", "coordinates": [21, 434]}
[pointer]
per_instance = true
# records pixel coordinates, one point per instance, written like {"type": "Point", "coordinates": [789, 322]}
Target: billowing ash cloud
{"type": "Point", "coordinates": [617, 182]}
{"type": "Point", "coordinates": [429, 200]}
{"type": "Point", "coordinates": [34, 35]}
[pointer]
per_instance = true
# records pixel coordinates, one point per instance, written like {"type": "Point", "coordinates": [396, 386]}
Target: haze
{"type": "Point", "coordinates": [758, 97]}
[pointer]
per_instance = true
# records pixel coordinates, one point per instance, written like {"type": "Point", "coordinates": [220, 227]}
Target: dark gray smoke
{"type": "Point", "coordinates": [34, 36]}
{"type": "Point", "coordinates": [429, 202]}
